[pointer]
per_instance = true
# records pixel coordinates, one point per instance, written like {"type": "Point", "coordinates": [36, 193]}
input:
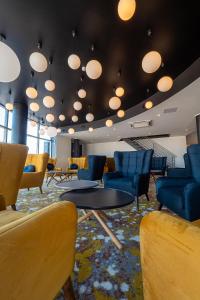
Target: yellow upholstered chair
{"type": "Point", "coordinates": [12, 160]}
{"type": "Point", "coordinates": [170, 258]}
{"type": "Point", "coordinates": [80, 161]}
{"type": "Point", "coordinates": [35, 179]}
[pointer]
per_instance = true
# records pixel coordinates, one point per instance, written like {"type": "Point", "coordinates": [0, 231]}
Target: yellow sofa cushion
{"type": "Point", "coordinates": [80, 161]}
{"type": "Point", "coordinates": [8, 216]}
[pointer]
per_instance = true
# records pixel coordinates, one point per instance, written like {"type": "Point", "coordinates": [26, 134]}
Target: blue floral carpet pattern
{"type": "Point", "coordinates": [101, 271]}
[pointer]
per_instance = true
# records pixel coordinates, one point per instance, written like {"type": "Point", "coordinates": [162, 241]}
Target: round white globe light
{"type": "Point", "coordinates": [50, 118]}
{"type": "Point", "coordinates": [31, 92]}
{"type": "Point", "coordinates": [77, 105]}
{"type": "Point", "coordinates": [71, 131]}
{"type": "Point", "coordinates": [59, 130]}
{"type": "Point", "coordinates": [74, 118]}
{"type": "Point", "coordinates": [33, 123]}
{"type": "Point", "coordinates": [90, 129]}
{"type": "Point", "coordinates": [109, 123]}
{"type": "Point", "coordinates": [50, 85]}
{"type": "Point", "coordinates": [9, 106]}
{"type": "Point", "coordinates": [82, 93]}
{"type": "Point", "coordinates": [38, 62]}
{"type": "Point", "coordinates": [74, 61]}
{"type": "Point", "coordinates": [34, 106]}
{"type": "Point", "coordinates": [9, 64]}
{"type": "Point", "coordinates": [89, 117]}
{"type": "Point", "coordinates": [165, 84]}
{"type": "Point", "coordinates": [148, 104]}
{"type": "Point", "coordinates": [61, 118]}
{"type": "Point", "coordinates": [41, 131]}
{"type": "Point", "coordinates": [48, 101]}
{"type": "Point", "coordinates": [126, 9]}
{"type": "Point", "coordinates": [114, 103]}
{"type": "Point", "coordinates": [121, 113]}
{"type": "Point", "coordinates": [119, 91]}
{"type": "Point", "coordinates": [51, 131]}
{"type": "Point", "coordinates": [93, 69]}
{"type": "Point", "coordinates": [151, 62]}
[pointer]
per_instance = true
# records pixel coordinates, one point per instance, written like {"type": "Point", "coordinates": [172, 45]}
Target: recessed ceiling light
{"type": "Point", "coordinates": [148, 104]}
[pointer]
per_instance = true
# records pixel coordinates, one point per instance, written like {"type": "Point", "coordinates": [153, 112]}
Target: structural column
{"type": "Point", "coordinates": [198, 128]}
{"type": "Point", "coordinates": [19, 123]}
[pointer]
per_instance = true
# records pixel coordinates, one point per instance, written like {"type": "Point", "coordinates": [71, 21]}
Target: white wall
{"type": "Point", "coordinates": [176, 145]}
{"type": "Point", "coordinates": [107, 148]}
{"type": "Point", "coordinates": [63, 151]}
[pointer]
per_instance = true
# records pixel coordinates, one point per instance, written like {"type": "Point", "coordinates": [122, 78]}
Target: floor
{"type": "Point", "coordinates": [101, 271]}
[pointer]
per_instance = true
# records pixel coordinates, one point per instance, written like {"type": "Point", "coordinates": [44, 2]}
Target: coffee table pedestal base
{"type": "Point", "coordinates": [100, 215]}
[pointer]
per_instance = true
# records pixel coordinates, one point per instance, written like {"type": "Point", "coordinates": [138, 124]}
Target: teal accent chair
{"type": "Point", "coordinates": [132, 173]}
{"type": "Point", "coordinates": [182, 195]}
{"type": "Point", "coordinates": [95, 169]}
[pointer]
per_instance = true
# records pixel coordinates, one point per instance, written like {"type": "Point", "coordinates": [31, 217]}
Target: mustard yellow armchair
{"type": "Point", "coordinates": [35, 179]}
{"type": "Point", "coordinates": [170, 258]}
{"type": "Point", "coordinates": [12, 160]}
{"type": "Point", "coordinates": [37, 252]}
{"type": "Point", "coordinates": [80, 161]}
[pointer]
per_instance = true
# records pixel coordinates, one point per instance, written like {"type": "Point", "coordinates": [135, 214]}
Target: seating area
{"type": "Point", "coordinates": [99, 150]}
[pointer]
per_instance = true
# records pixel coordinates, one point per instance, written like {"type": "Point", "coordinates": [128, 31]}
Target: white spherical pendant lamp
{"type": "Point", "coordinates": [82, 93]}
{"type": "Point", "coordinates": [41, 131]}
{"type": "Point", "coordinates": [74, 118]}
{"type": "Point", "coordinates": [90, 129]}
{"type": "Point", "coordinates": [74, 61]}
{"type": "Point", "coordinates": [89, 117]}
{"type": "Point", "coordinates": [165, 84]}
{"type": "Point", "coordinates": [61, 118]}
{"type": "Point", "coordinates": [34, 106]}
{"type": "Point", "coordinates": [51, 131]}
{"type": "Point", "coordinates": [9, 106]}
{"type": "Point", "coordinates": [71, 131]}
{"type": "Point", "coordinates": [59, 130]}
{"type": "Point", "coordinates": [48, 101]}
{"type": "Point", "coordinates": [31, 92]}
{"type": "Point", "coordinates": [33, 123]}
{"type": "Point", "coordinates": [50, 118]}
{"type": "Point", "coordinates": [93, 69]}
{"type": "Point", "coordinates": [38, 62]}
{"type": "Point", "coordinates": [114, 103]}
{"type": "Point", "coordinates": [77, 105]}
{"type": "Point", "coordinates": [119, 91]}
{"type": "Point", "coordinates": [151, 62]}
{"type": "Point", "coordinates": [126, 9]}
{"type": "Point", "coordinates": [109, 123]}
{"type": "Point", "coordinates": [148, 104]}
{"type": "Point", "coordinates": [50, 85]}
{"type": "Point", "coordinates": [121, 113]}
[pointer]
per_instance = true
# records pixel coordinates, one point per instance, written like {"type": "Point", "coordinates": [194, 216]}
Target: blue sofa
{"type": "Point", "coordinates": [181, 172]}
{"type": "Point", "coordinates": [95, 169]}
{"type": "Point", "coordinates": [182, 195]}
{"type": "Point", "coordinates": [132, 173]}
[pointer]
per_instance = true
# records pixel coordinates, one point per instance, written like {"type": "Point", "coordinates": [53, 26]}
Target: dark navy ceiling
{"type": "Point", "coordinates": [118, 45]}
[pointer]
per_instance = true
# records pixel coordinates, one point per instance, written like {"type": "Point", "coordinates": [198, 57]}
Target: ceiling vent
{"type": "Point", "coordinates": [141, 124]}
{"type": "Point", "coordinates": [170, 110]}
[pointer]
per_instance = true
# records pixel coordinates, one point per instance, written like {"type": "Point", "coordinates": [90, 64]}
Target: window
{"type": "Point", "coordinates": [38, 143]}
{"type": "Point", "coordinates": [5, 125]}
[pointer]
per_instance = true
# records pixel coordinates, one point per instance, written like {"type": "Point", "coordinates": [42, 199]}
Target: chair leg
{"type": "Point", "coordinates": [147, 196]}
{"type": "Point", "coordinates": [160, 206]}
{"type": "Point", "coordinates": [137, 203]}
{"type": "Point", "coordinates": [68, 290]}
{"type": "Point", "coordinates": [14, 207]}
{"type": "Point", "coordinates": [41, 190]}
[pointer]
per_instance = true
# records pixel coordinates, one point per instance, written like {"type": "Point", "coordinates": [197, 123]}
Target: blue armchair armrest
{"type": "Point", "coordinates": [172, 181]}
{"type": "Point", "coordinates": [192, 201]}
{"type": "Point", "coordinates": [178, 172]}
{"type": "Point", "coordinates": [111, 175]}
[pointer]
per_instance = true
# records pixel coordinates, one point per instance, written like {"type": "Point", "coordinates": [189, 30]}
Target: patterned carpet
{"type": "Point", "coordinates": [101, 271]}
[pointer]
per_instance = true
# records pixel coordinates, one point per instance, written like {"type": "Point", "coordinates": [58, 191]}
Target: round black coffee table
{"type": "Point", "coordinates": [96, 200]}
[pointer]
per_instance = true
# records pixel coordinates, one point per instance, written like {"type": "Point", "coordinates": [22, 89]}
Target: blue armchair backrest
{"type": "Point", "coordinates": [129, 163]}
{"type": "Point", "coordinates": [159, 163]}
{"type": "Point", "coordinates": [194, 158]}
{"type": "Point", "coordinates": [96, 165]}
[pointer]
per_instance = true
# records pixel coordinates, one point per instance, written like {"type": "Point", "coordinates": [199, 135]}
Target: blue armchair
{"type": "Point", "coordinates": [158, 166]}
{"type": "Point", "coordinates": [182, 195]}
{"type": "Point", "coordinates": [181, 172]}
{"type": "Point", "coordinates": [95, 169]}
{"type": "Point", "coordinates": [132, 173]}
